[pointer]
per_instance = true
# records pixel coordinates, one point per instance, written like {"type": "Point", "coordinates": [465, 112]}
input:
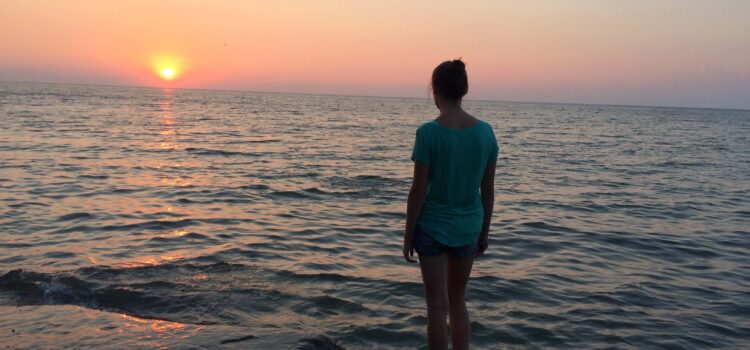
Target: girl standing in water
{"type": "Point", "coordinates": [450, 204]}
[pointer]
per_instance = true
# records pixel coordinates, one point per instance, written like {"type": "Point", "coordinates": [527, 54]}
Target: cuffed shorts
{"type": "Point", "coordinates": [425, 245]}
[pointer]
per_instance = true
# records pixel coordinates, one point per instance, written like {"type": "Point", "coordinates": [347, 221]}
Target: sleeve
{"type": "Point", "coordinates": [421, 151]}
{"type": "Point", "coordinates": [494, 148]}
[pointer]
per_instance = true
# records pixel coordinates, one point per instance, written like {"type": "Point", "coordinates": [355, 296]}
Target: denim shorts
{"type": "Point", "coordinates": [425, 245]}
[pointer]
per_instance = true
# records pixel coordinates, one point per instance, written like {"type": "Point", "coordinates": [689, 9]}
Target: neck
{"type": "Point", "coordinates": [448, 107]}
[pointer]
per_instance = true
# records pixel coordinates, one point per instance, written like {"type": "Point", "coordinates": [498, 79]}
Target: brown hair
{"type": "Point", "coordinates": [449, 80]}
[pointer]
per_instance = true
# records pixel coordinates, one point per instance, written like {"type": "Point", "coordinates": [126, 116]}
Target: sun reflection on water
{"type": "Point", "coordinates": [176, 233]}
{"type": "Point", "coordinates": [169, 135]}
{"type": "Point", "coordinates": [176, 182]}
{"type": "Point", "coordinates": [152, 260]}
{"type": "Point", "coordinates": [168, 124]}
{"type": "Point", "coordinates": [164, 330]}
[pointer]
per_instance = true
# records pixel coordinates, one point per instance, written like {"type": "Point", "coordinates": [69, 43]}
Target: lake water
{"type": "Point", "coordinates": [215, 219]}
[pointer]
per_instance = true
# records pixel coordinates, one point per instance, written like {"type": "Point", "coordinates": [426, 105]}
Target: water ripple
{"type": "Point", "coordinates": [244, 216]}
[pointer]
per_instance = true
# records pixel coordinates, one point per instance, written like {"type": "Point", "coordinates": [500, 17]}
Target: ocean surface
{"type": "Point", "coordinates": [148, 218]}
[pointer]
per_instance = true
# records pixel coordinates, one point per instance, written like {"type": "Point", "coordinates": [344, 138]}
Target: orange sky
{"type": "Point", "coordinates": [670, 52]}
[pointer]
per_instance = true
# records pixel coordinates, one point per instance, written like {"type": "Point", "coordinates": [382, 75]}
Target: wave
{"type": "Point", "coordinates": [217, 152]}
{"type": "Point", "coordinates": [36, 288]}
{"type": "Point", "coordinates": [313, 192]}
{"type": "Point", "coordinates": [185, 292]}
{"type": "Point", "coordinates": [164, 292]}
{"type": "Point", "coordinates": [76, 216]}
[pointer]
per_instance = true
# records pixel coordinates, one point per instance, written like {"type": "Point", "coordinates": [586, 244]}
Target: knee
{"type": "Point", "coordinates": [437, 306]}
{"type": "Point", "coordinates": [456, 297]}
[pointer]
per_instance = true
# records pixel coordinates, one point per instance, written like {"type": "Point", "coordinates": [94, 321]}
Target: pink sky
{"type": "Point", "coordinates": [670, 52]}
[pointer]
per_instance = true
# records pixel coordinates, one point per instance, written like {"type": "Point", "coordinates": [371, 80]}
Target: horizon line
{"type": "Point", "coordinates": [371, 96]}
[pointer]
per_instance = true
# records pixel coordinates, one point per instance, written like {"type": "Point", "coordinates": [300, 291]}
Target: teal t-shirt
{"type": "Point", "coordinates": [452, 212]}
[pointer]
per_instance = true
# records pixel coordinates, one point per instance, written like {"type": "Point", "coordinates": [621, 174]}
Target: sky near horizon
{"type": "Point", "coordinates": [669, 52]}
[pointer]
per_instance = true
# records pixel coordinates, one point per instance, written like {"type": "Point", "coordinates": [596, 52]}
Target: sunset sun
{"type": "Point", "coordinates": [167, 66]}
{"type": "Point", "coordinates": [167, 73]}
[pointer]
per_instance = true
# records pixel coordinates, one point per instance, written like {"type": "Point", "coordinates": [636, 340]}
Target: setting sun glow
{"type": "Point", "coordinates": [167, 67]}
{"type": "Point", "coordinates": [556, 51]}
{"type": "Point", "coordinates": [167, 73]}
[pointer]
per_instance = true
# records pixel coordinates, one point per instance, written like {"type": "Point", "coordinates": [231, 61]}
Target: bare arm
{"type": "Point", "coordinates": [414, 204]}
{"type": "Point", "coordinates": [487, 189]}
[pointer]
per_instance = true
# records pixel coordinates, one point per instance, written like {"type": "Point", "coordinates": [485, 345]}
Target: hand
{"type": "Point", "coordinates": [484, 242]}
{"type": "Point", "coordinates": [409, 248]}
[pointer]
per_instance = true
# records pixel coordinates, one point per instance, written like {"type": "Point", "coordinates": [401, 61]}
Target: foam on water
{"type": "Point", "coordinates": [231, 219]}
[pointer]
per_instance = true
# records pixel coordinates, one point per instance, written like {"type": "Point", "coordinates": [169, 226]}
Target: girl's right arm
{"type": "Point", "coordinates": [414, 206]}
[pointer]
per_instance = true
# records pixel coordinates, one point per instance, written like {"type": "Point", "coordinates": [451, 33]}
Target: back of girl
{"type": "Point", "coordinates": [450, 204]}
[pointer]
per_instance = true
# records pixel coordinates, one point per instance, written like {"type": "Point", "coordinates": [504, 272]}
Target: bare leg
{"type": "Point", "coordinates": [436, 295]}
{"type": "Point", "coordinates": [459, 270]}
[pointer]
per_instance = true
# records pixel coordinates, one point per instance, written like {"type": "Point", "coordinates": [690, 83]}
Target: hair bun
{"type": "Point", "coordinates": [449, 80]}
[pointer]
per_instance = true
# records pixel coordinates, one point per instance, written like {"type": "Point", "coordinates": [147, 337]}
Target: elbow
{"type": "Point", "coordinates": [488, 197]}
{"type": "Point", "coordinates": [488, 192]}
{"type": "Point", "coordinates": [417, 194]}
